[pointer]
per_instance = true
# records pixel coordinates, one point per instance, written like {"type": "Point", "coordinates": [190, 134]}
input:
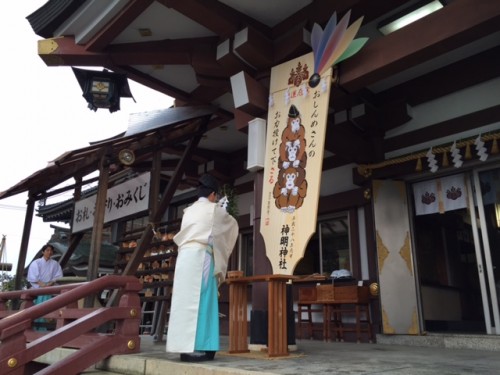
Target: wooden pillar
{"type": "Point", "coordinates": [21, 260]}
{"type": "Point", "coordinates": [74, 238]}
{"type": "Point", "coordinates": [261, 266]}
{"type": "Point", "coordinates": [154, 194]}
{"type": "Point", "coordinates": [238, 319]}
{"type": "Point", "coordinates": [100, 206]}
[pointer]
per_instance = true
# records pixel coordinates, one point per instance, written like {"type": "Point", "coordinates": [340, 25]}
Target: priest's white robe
{"type": "Point", "coordinates": [205, 226]}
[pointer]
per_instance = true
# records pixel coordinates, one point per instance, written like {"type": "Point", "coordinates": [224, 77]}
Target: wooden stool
{"type": "Point", "coordinates": [332, 322]}
{"type": "Point", "coordinates": [363, 321]}
{"type": "Point", "coordinates": [307, 298]}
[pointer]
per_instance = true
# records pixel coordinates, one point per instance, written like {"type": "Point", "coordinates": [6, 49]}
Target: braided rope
{"type": "Point", "coordinates": [364, 168]}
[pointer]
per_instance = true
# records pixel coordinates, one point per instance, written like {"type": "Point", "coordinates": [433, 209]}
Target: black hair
{"type": "Point", "coordinates": [44, 247]}
{"type": "Point", "coordinates": [208, 185]}
{"type": "Point", "coordinates": [204, 191]}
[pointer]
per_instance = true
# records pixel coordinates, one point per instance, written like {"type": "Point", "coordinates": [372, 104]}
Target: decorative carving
{"type": "Point", "coordinates": [405, 253]}
{"type": "Point", "coordinates": [414, 330]}
{"type": "Point", "coordinates": [382, 251]}
{"type": "Point", "coordinates": [387, 328]}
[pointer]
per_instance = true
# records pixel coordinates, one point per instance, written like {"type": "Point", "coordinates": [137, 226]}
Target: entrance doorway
{"type": "Point", "coordinates": [449, 284]}
{"type": "Point", "coordinates": [458, 254]}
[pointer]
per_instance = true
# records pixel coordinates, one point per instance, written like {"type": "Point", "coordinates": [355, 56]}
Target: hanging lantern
{"type": "Point", "coordinates": [103, 89]}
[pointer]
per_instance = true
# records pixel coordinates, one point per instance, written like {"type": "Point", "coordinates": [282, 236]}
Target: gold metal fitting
{"type": "Point", "coordinates": [364, 171]}
{"type": "Point", "coordinates": [367, 194]}
{"type": "Point", "coordinates": [12, 362]}
{"type": "Point", "coordinates": [131, 344]}
{"type": "Point", "coordinates": [374, 289]}
{"type": "Point", "coordinates": [133, 313]}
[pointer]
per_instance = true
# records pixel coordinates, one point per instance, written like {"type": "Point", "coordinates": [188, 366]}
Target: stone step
{"type": "Point", "coordinates": [444, 340]}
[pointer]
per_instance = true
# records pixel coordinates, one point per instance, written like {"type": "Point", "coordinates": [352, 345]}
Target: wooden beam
{"type": "Point", "coordinates": [249, 95]}
{"type": "Point", "coordinates": [241, 119]}
{"type": "Point", "coordinates": [444, 128]}
{"type": "Point", "coordinates": [119, 23]}
{"type": "Point", "coordinates": [227, 59]}
{"type": "Point", "coordinates": [23, 251]}
{"type": "Point", "coordinates": [292, 44]}
{"type": "Point", "coordinates": [98, 224]}
{"type": "Point", "coordinates": [344, 140]}
{"type": "Point", "coordinates": [320, 12]}
{"type": "Point", "coordinates": [214, 15]}
{"type": "Point", "coordinates": [458, 23]}
{"type": "Point", "coordinates": [63, 51]}
{"type": "Point", "coordinates": [167, 195]}
{"type": "Point", "coordinates": [444, 81]}
{"type": "Point", "coordinates": [169, 52]}
{"type": "Point", "coordinates": [254, 48]}
{"type": "Point", "coordinates": [73, 244]}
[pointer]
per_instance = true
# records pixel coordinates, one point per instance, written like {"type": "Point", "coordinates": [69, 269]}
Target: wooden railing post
{"type": "Point", "coordinates": [12, 348]}
{"type": "Point", "coordinates": [76, 326]}
{"type": "Point", "coordinates": [129, 328]}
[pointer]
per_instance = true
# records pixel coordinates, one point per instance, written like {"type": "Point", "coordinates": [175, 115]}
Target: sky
{"type": "Point", "coordinates": [45, 115]}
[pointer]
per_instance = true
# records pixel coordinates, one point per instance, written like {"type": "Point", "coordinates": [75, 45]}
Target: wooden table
{"type": "Point", "coordinates": [335, 299]}
{"type": "Point", "coordinates": [277, 345]}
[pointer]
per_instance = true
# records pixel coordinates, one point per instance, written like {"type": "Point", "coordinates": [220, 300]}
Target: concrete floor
{"type": "Point", "coordinates": [316, 357]}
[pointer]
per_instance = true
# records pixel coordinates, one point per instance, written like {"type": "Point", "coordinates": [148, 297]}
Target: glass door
{"type": "Point", "coordinates": [487, 231]}
{"type": "Point", "coordinates": [456, 227]}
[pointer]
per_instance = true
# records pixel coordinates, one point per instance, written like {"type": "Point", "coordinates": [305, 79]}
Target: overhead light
{"type": "Point", "coordinates": [103, 89]}
{"type": "Point", "coordinates": [409, 15]}
{"type": "Point", "coordinates": [497, 214]}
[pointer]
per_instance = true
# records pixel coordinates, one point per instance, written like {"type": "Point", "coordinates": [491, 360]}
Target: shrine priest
{"type": "Point", "coordinates": [205, 241]}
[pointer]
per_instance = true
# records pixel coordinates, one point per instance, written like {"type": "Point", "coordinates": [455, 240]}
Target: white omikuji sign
{"type": "Point", "coordinates": [122, 200]}
{"type": "Point", "coordinates": [296, 128]}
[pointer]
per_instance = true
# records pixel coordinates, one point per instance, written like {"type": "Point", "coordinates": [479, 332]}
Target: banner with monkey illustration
{"type": "Point", "coordinates": [296, 128]}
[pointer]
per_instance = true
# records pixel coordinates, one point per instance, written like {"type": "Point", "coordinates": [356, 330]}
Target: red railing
{"type": "Point", "coordinates": [75, 327]}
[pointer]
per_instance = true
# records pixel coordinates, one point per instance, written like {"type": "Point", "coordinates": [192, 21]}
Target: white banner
{"type": "Point", "coordinates": [122, 200]}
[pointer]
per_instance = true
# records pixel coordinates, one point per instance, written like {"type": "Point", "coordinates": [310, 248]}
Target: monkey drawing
{"type": "Point", "coordinates": [293, 136]}
{"type": "Point", "coordinates": [288, 155]}
{"type": "Point", "coordinates": [290, 189]}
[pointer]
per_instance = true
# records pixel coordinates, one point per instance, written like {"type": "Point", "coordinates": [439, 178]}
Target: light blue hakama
{"type": "Point", "coordinates": [207, 327]}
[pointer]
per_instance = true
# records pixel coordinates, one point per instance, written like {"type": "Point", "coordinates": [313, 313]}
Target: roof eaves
{"type": "Point", "coordinates": [45, 20]}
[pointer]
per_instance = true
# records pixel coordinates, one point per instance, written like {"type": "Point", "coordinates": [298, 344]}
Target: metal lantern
{"type": "Point", "coordinates": [103, 89]}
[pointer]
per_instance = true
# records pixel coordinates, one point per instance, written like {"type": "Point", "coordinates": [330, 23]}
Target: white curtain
{"type": "Point", "coordinates": [440, 195]}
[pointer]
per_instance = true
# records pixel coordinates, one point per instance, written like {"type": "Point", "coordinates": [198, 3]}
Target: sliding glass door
{"type": "Point", "coordinates": [487, 213]}
{"type": "Point", "coordinates": [456, 230]}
